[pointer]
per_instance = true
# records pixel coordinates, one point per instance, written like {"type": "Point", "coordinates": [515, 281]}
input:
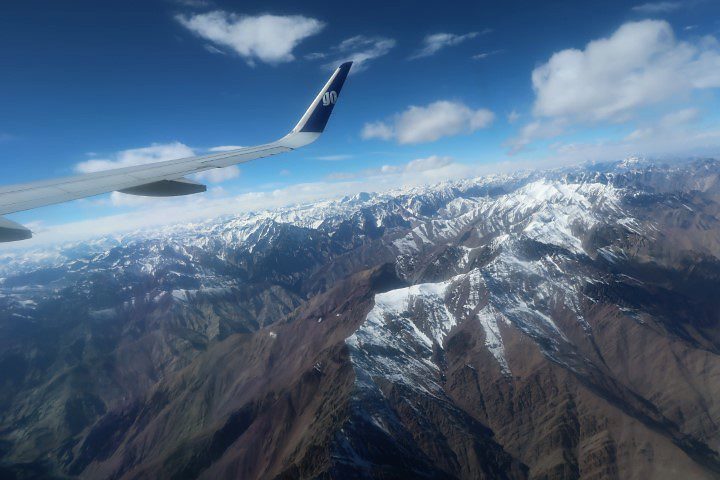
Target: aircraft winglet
{"type": "Point", "coordinates": [316, 117]}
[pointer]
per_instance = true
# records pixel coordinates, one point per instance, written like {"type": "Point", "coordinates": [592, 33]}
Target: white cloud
{"type": "Point", "coordinates": [535, 130]}
{"type": "Point", "coordinates": [267, 38]}
{"type": "Point", "coordinates": [419, 165]}
{"type": "Point", "coordinates": [652, 8]}
{"type": "Point", "coordinates": [484, 55]}
{"type": "Point", "coordinates": [513, 116]}
{"type": "Point", "coordinates": [315, 56]}
{"type": "Point", "coordinates": [360, 50]}
{"type": "Point", "coordinates": [120, 200]}
{"type": "Point", "coordinates": [680, 117]}
{"type": "Point", "coordinates": [421, 170]}
{"type": "Point", "coordinates": [218, 175]}
{"type": "Point", "coordinates": [214, 50]}
{"type": "Point", "coordinates": [379, 130]}
{"type": "Point", "coordinates": [432, 162]}
{"type": "Point", "coordinates": [156, 152]}
{"type": "Point", "coordinates": [641, 64]}
{"type": "Point", "coordinates": [666, 125]}
{"type": "Point", "coordinates": [429, 123]}
{"type": "Point", "coordinates": [438, 41]}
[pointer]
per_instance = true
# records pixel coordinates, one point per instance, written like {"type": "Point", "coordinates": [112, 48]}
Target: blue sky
{"type": "Point", "coordinates": [440, 91]}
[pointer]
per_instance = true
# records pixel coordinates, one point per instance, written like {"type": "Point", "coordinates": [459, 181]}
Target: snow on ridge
{"type": "Point", "coordinates": [390, 344]}
{"type": "Point", "coordinates": [399, 302]}
{"type": "Point", "coordinates": [550, 212]}
{"type": "Point", "coordinates": [489, 318]}
{"type": "Point", "coordinates": [396, 340]}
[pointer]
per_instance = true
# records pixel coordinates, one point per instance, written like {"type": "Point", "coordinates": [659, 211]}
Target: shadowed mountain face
{"type": "Point", "coordinates": [554, 325]}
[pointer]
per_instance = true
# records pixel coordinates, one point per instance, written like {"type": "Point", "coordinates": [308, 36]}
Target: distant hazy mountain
{"type": "Point", "coordinates": [548, 325]}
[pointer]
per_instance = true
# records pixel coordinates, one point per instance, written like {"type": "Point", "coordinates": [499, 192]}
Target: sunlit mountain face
{"type": "Point", "coordinates": [558, 325]}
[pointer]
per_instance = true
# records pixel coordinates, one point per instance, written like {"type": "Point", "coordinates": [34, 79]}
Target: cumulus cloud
{"type": "Point", "coordinates": [429, 123]}
{"type": "Point", "coordinates": [156, 152]}
{"type": "Point", "coordinates": [652, 8]}
{"type": "Point", "coordinates": [360, 50]}
{"type": "Point", "coordinates": [266, 38]}
{"type": "Point", "coordinates": [438, 41]}
{"type": "Point", "coordinates": [642, 63]}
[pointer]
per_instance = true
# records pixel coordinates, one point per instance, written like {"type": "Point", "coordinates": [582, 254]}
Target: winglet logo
{"type": "Point", "coordinates": [329, 98]}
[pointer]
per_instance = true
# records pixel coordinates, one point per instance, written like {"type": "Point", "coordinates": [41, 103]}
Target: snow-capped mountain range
{"type": "Point", "coordinates": [556, 324]}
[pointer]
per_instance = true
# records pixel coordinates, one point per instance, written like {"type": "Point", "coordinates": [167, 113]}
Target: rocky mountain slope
{"type": "Point", "coordinates": [546, 325]}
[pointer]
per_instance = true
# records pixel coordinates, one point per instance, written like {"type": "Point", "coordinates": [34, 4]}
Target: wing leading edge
{"type": "Point", "coordinates": [164, 178]}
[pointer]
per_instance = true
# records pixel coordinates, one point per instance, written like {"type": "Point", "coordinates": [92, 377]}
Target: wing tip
{"type": "Point", "coordinates": [317, 116]}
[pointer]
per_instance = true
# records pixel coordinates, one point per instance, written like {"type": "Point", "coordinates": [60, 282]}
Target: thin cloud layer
{"type": "Point", "coordinates": [432, 162]}
{"type": "Point", "coordinates": [335, 158]}
{"type": "Point", "coordinates": [360, 50]}
{"type": "Point", "coordinates": [429, 123]}
{"type": "Point", "coordinates": [666, 125]}
{"type": "Point", "coordinates": [484, 55]}
{"type": "Point", "coordinates": [266, 38]}
{"type": "Point", "coordinates": [411, 172]}
{"type": "Point", "coordinates": [652, 8]}
{"type": "Point", "coordinates": [535, 130]}
{"type": "Point", "coordinates": [432, 44]}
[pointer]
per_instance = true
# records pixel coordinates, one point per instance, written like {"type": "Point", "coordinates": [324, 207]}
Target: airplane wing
{"type": "Point", "coordinates": [166, 178]}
